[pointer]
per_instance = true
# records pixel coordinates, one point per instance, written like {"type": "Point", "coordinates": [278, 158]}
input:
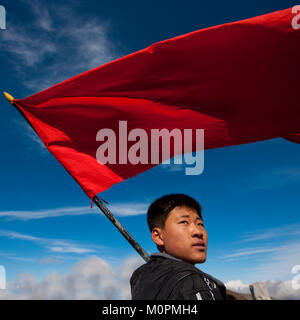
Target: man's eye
{"type": "Point", "coordinates": [183, 221]}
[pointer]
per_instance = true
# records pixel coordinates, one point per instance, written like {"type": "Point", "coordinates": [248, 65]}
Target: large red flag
{"type": "Point", "coordinates": [238, 81]}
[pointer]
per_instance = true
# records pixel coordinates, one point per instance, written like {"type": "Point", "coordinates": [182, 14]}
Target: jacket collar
{"type": "Point", "coordinates": [164, 255]}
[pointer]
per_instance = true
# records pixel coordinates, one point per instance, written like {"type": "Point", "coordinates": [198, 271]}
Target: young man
{"type": "Point", "coordinates": [177, 228]}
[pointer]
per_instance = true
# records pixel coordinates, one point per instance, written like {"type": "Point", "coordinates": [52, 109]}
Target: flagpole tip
{"type": "Point", "coordinates": [9, 97]}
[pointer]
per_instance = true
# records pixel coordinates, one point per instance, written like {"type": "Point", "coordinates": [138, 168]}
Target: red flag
{"type": "Point", "coordinates": [238, 81]}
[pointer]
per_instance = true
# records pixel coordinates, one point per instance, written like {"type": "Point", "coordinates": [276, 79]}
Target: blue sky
{"type": "Point", "coordinates": [249, 193]}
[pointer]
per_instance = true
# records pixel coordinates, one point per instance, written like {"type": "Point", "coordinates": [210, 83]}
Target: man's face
{"type": "Point", "coordinates": [184, 235]}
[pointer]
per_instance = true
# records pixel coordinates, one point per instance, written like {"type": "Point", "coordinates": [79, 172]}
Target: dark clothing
{"type": "Point", "coordinates": [167, 278]}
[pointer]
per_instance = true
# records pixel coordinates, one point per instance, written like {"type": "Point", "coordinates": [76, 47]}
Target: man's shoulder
{"type": "Point", "coordinates": [154, 279]}
{"type": "Point", "coordinates": [163, 267]}
{"type": "Point", "coordinates": [167, 277]}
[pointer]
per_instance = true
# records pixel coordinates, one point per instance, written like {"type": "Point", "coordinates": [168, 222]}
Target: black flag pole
{"type": "Point", "coordinates": [100, 204]}
{"type": "Point", "coordinates": [122, 230]}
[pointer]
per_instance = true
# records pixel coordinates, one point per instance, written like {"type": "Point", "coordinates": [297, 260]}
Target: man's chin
{"type": "Point", "coordinates": [200, 260]}
{"type": "Point", "coordinates": [196, 260]}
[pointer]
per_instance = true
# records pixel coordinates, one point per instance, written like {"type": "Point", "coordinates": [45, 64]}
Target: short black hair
{"type": "Point", "coordinates": [159, 210]}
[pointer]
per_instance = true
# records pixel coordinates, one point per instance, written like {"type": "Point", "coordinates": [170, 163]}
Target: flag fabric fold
{"type": "Point", "coordinates": [238, 81]}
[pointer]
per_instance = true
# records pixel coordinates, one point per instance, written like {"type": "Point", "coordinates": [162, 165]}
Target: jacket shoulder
{"type": "Point", "coordinates": [153, 279]}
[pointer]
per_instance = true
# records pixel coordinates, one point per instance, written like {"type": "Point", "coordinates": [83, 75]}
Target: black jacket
{"type": "Point", "coordinates": [167, 278]}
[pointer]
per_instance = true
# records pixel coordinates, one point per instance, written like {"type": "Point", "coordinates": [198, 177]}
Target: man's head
{"type": "Point", "coordinates": [176, 226]}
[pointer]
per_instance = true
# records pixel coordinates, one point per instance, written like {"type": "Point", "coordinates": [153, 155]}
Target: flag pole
{"type": "Point", "coordinates": [121, 229]}
{"type": "Point", "coordinates": [100, 205]}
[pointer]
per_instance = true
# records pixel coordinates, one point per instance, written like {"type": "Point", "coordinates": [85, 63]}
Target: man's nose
{"type": "Point", "coordinates": [197, 231]}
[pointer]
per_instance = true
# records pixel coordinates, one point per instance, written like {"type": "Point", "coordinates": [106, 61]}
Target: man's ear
{"type": "Point", "coordinates": [156, 235]}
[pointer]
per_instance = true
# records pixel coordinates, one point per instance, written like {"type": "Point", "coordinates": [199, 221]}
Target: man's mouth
{"type": "Point", "coordinates": [199, 245]}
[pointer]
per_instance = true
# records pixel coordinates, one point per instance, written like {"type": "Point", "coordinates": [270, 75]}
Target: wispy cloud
{"type": "Point", "coordinates": [277, 251]}
{"type": "Point", "coordinates": [248, 252]}
{"type": "Point", "coordinates": [53, 245]}
{"type": "Point", "coordinates": [172, 167]}
{"type": "Point", "coordinates": [32, 140]}
{"type": "Point", "coordinates": [53, 54]}
{"type": "Point", "coordinates": [275, 178]}
{"type": "Point", "coordinates": [129, 209]}
{"type": "Point", "coordinates": [28, 50]}
{"type": "Point", "coordinates": [279, 263]}
{"type": "Point", "coordinates": [42, 15]}
{"type": "Point", "coordinates": [174, 164]}
{"type": "Point", "coordinates": [45, 260]}
{"type": "Point", "coordinates": [273, 233]}
{"type": "Point", "coordinates": [40, 214]}
{"type": "Point", "coordinates": [181, 162]}
{"type": "Point", "coordinates": [118, 209]}
{"type": "Point", "coordinates": [50, 259]}
{"type": "Point", "coordinates": [12, 256]}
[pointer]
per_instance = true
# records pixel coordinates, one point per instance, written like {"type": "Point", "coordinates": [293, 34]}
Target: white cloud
{"type": "Point", "coordinates": [92, 278]}
{"type": "Point", "coordinates": [53, 245]}
{"type": "Point", "coordinates": [47, 213]}
{"type": "Point", "coordinates": [16, 235]}
{"type": "Point", "coordinates": [129, 209]}
{"type": "Point", "coordinates": [95, 278]}
{"type": "Point", "coordinates": [281, 290]}
{"type": "Point", "coordinates": [65, 248]}
{"type": "Point", "coordinates": [118, 209]}
{"type": "Point", "coordinates": [237, 286]}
